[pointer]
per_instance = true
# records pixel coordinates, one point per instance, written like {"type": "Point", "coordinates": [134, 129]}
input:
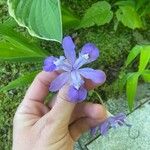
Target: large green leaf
{"type": "Point", "coordinates": [129, 17]}
{"type": "Point", "coordinates": [131, 88]}
{"type": "Point", "coordinates": [9, 52]}
{"type": "Point", "coordinates": [133, 53]}
{"type": "Point", "coordinates": [146, 75]}
{"type": "Point", "coordinates": [18, 40]}
{"type": "Point", "coordinates": [144, 57]}
{"type": "Point", "coordinates": [42, 18]}
{"type": "Point", "coordinates": [99, 14]}
{"type": "Point", "coordinates": [20, 82]}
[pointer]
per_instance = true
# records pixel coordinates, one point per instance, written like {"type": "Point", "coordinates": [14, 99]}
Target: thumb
{"type": "Point", "coordinates": [63, 108]}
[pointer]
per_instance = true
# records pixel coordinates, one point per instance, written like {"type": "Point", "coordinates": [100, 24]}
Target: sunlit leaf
{"type": "Point", "coordinates": [133, 53]}
{"type": "Point", "coordinates": [20, 82]}
{"type": "Point", "coordinates": [146, 75]}
{"type": "Point", "coordinates": [42, 18]}
{"type": "Point", "coordinates": [144, 57]}
{"type": "Point", "coordinates": [123, 81]}
{"type": "Point", "coordinates": [131, 88]}
{"type": "Point", "coordinates": [99, 14]}
{"type": "Point", "coordinates": [129, 17]}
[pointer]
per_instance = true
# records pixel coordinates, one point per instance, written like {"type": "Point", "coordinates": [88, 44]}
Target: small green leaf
{"type": "Point", "coordinates": [9, 52]}
{"type": "Point", "coordinates": [133, 53]}
{"type": "Point", "coordinates": [99, 14]}
{"type": "Point", "coordinates": [42, 18]}
{"type": "Point", "coordinates": [146, 75]}
{"type": "Point", "coordinates": [144, 57]}
{"type": "Point", "coordinates": [129, 17]}
{"type": "Point", "coordinates": [131, 88]}
{"type": "Point", "coordinates": [21, 81]}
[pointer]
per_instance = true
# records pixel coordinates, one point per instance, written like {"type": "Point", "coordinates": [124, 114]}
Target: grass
{"type": "Point", "coordinates": [114, 48]}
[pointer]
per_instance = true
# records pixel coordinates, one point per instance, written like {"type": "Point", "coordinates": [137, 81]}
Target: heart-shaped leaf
{"type": "Point", "coordinates": [129, 17]}
{"type": "Point", "coordinates": [99, 14]}
{"type": "Point", "coordinates": [42, 18]}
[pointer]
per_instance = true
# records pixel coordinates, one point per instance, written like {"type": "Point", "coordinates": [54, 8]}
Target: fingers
{"type": "Point", "coordinates": [62, 107]}
{"type": "Point", "coordinates": [98, 115]}
{"type": "Point", "coordinates": [39, 88]}
{"type": "Point", "coordinates": [89, 84]}
{"type": "Point", "coordinates": [84, 110]}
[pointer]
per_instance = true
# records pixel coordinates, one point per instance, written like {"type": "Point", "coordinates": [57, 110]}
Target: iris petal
{"type": "Point", "coordinates": [69, 49]}
{"type": "Point", "coordinates": [76, 79]}
{"type": "Point", "coordinates": [96, 76]}
{"type": "Point", "coordinates": [77, 95]}
{"type": "Point", "coordinates": [91, 50]}
{"type": "Point", "coordinates": [49, 64]}
{"type": "Point", "coordinates": [104, 127]}
{"type": "Point", "coordinates": [59, 82]}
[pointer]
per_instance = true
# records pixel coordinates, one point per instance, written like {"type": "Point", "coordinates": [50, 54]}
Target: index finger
{"type": "Point", "coordinates": [40, 86]}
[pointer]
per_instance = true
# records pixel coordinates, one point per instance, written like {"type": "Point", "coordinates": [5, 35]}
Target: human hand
{"type": "Point", "coordinates": [56, 126]}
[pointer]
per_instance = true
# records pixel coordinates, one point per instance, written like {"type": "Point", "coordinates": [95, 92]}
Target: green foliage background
{"type": "Point", "coordinates": [114, 47]}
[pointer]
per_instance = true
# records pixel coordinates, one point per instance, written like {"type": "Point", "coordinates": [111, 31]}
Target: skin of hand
{"type": "Point", "coordinates": [55, 126]}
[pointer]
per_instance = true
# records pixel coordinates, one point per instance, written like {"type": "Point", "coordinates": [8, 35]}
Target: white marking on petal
{"type": "Point", "coordinates": [85, 56]}
{"type": "Point", "coordinates": [77, 80]}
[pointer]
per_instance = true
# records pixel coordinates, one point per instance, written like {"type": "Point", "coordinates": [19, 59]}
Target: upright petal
{"type": "Point", "coordinates": [79, 62]}
{"type": "Point", "coordinates": [62, 64]}
{"type": "Point", "coordinates": [59, 82]}
{"type": "Point", "coordinates": [49, 64]}
{"type": "Point", "coordinates": [96, 76]}
{"type": "Point", "coordinates": [77, 95]}
{"type": "Point", "coordinates": [91, 50]}
{"type": "Point", "coordinates": [76, 79]}
{"type": "Point", "coordinates": [69, 49]}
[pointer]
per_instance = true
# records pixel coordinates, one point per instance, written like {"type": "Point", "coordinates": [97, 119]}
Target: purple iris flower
{"type": "Point", "coordinates": [71, 71]}
{"type": "Point", "coordinates": [112, 121]}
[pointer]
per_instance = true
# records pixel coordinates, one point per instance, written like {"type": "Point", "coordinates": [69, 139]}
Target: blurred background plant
{"type": "Point", "coordinates": [130, 79]}
{"type": "Point", "coordinates": [120, 29]}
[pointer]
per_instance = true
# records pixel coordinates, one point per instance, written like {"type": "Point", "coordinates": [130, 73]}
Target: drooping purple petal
{"type": "Point", "coordinates": [59, 82]}
{"type": "Point", "coordinates": [91, 50]}
{"type": "Point", "coordinates": [49, 64]}
{"type": "Point", "coordinates": [104, 127]}
{"type": "Point", "coordinates": [96, 76]}
{"type": "Point", "coordinates": [93, 131]}
{"type": "Point", "coordinates": [77, 95]}
{"type": "Point", "coordinates": [120, 116]}
{"type": "Point", "coordinates": [118, 119]}
{"type": "Point", "coordinates": [76, 79]}
{"type": "Point", "coordinates": [114, 122]}
{"type": "Point", "coordinates": [69, 49]}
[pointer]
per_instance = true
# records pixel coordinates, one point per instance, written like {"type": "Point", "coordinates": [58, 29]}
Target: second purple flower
{"type": "Point", "coordinates": [71, 71]}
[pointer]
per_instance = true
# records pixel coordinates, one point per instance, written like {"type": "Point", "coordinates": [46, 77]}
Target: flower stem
{"type": "Point", "coordinates": [101, 101]}
{"type": "Point", "coordinates": [99, 97]}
